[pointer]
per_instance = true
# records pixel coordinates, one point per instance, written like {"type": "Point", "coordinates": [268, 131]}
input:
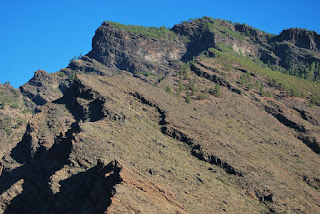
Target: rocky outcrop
{"type": "Point", "coordinates": [301, 38]}
{"type": "Point", "coordinates": [114, 46]}
{"type": "Point", "coordinates": [44, 87]}
{"type": "Point", "coordinates": [103, 141]}
{"type": "Point", "coordinates": [139, 50]}
{"type": "Point", "coordinates": [15, 112]}
{"type": "Point", "coordinates": [294, 47]}
{"type": "Point", "coordinates": [89, 65]}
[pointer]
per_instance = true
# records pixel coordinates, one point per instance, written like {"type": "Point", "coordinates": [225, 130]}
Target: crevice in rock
{"type": "Point", "coordinates": [307, 117]}
{"type": "Point", "coordinates": [195, 149]}
{"type": "Point", "coordinates": [62, 147]}
{"type": "Point", "coordinates": [143, 100]}
{"type": "Point", "coordinates": [312, 182]}
{"type": "Point", "coordinates": [92, 106]}
{"type": "Point", "coordinates": [22, 152]}
{"type": "Point", "coordinates": [212, 77]}
{"type": "Point", "coordinates": [310, 142]}
{"type": "Point", "coordinates": [302, 133]}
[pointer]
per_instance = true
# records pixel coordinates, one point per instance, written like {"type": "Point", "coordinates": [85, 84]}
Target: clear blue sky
{"type": "Point", "coordinates": [46, 34]}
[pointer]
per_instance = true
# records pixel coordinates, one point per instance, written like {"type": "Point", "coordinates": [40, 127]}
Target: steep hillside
{"type": "Point", "coordinates": [207, 117]}
{"type": "Point", "coordinates": [15, 112]}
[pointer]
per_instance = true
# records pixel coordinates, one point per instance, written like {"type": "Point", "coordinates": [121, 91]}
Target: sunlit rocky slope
{"type": "Point", "coordinates": [207, 117]}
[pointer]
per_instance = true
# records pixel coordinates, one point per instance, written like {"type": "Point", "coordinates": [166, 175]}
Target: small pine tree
{"type": "Point", "coordinates": [198, 88]}
{"type": "Point", "coordinates": [206, 93]}
{"type": "Point", "coordinates": [72, 76]}
{"type": "Point", "coordinates": [178, 93]}
{"type": "Point", "coordinates": [314, 99]}
{"type": "Point", "coordinates": [187, 73]}
{"type": "Point", "coordinates": [193, 89]}
{"type": "Point", "coordinates": [250, 86]}
{"type": "Point", "coordinates": [188, 98]}
{"type": "Point", "coordinates": [168, 90]}
{"type": "Point", "coordinates": [181, 70]}
{"type": "Point", "coordinates": [217, 91]}
{"type": "Point", "coordinates": [261, 89]}
{"type": "Point", "coordinates": [180, 85]}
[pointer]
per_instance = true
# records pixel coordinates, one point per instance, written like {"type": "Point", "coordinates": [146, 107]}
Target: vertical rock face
{"type": "Point", "coordinates": [302, 38]}
{"type": "Point", "coordinates": [199, 35]}
{"type": "Point", "coordinates": [296, 47]}
{"type": "Point", "coordinates": [44, 87]}
{"type": "Point", "coordinates": [222, 133]}
{"type": "Point", "coordinates": [114, 46]}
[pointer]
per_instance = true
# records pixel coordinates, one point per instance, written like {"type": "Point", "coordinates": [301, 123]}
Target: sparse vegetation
{"type": "Point", "coordinates": [14, 105]}
{"type": "Point", "coordinates": [180, 87]}
{"type": "Point", "coordinates": [75, 58]}
{"type": "Point", "coordinates": [309, 72]}
{"type": "Point", "coordinates": [72, 76]}
{"type": "Point", "coordinates": [205, 94]}
{"type": "Point", "coordinates": [243, 152]}
{"type": "Point", "coordinates": [294, 86]}
{"type": "Point", "coordinates": [216, 91]}
{"type": "Point", "coordinates": [61, 73]}
{"type": "Point", "coordinates": [155, 32]}
{"type": "Point", "coordinates": [168, 90]}
{"type": "Point", "coordinates": [146, 73]}
{"type": "Point", "coordinates": [55, 90]}
{"type": "Point", "coordinates": [188, 98]}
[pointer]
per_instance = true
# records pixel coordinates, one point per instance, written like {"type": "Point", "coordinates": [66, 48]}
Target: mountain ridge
{"type": "Point", "coordinates": [203, 117]}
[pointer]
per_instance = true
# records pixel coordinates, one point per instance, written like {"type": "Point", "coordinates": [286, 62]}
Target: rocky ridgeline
{"type": "Point", "coordinates": [145, 51]}
{"type": "Point", "coordinates": [107, 134]}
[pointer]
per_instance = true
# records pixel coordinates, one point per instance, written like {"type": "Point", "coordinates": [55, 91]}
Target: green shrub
{"type": "Point", "coordinates": [61, 74]}
{"type": "Point", "coordinates": [181, 87]}
{"type": "Point", "coordinates": [192, 87]}
{"type": "Point", "coordinates": [154, 32]}
{"type": "Point", "coordinates": [314, 99]}
{"type": "Point", "coordinates": [261, 89]}
{"type": "Point", "coordinates": [188, 98]}
{"type": "Point", "coordinates": [146, 73]}
{"type": "Point", "coordinates": [14, 106]}
{"type": "Point", "coordinates": [249, 86]}
{"type": "Point", "coordinates": [216, 91]}
{"type": "Point", "coordinates": [291, 84]}
{"type": "Point", "coordinates": [73, 59]}
{"type": "Point", "coordinates": [72, 77]}
{"type": "Point", "coordinates": [168, 90]}
{"type": "Point", "coordinates": [55, 90]}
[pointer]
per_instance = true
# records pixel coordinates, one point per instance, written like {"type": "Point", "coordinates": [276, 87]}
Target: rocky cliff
{"type": "Point", "coordinates": [158, 120]}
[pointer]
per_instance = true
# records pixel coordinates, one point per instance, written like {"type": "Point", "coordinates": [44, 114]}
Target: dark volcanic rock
{"type": "Point", "coordinates": [43, 87]}
{"type": "Point", "coordinates": [133, 52]}
{"type": "Point", "coordinates": [295, 47]}
{"type": "Point", "coordinates": [201, 38]}
{"type": "Point", "coordinates": [302, 38]}
{"type": "Point", "coordinates": [242, 145]}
